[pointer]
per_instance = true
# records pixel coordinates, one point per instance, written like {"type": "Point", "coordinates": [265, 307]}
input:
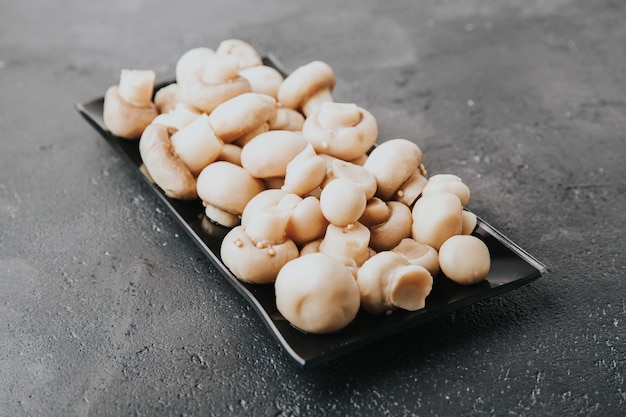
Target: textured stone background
{"type": "Point", "coordinates": [108, 308]}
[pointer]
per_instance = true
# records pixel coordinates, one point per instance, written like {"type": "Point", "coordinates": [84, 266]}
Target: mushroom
{"type": "Point", "coordinates": [263, 79]}
{"type": "Point", "coordinates": [465, 259]}
{"type": "Point", "coordinates": [304, 172]}
{"type": "Point", "coordinates": [343, 130]}
{"type": "Point", "coordinates": [388, 231]}
{"type": "Point", "coordinates": [287, 119]}
{"type": "Point", "coordinates": [350, 242]}
{"type": "Point", "coordinates": [306, 221]}
{"type": "Point", "coordinates": [246, 55]}
{"type": "Point", "coordinates": [225, 189]}
{"type": "Point", "coordinates": [196, 144]}
{"type": "Point", "coordinates": [128, 106]}
{"type": "Point", "coordinates": [166, 169]}
{"type": "Point", "coordinates": [264, 199]}
{"type": "Point", "coordinates": [307, 87]}
{"type": "Point", "coordinates": [392, 163]}
{"type": "Point", "coordinates": [190, 65]}
{"type": "Point", "coordinates": [268, 154]}
{"type": "Point", "coordinates": [219, 81]}
{"type": "Point", "coordinates": [419, 253]}
{"type": "Point", "coordinates": [256, 253]}
{"type": "Point", "coordinates": [317, 294]}
{"type": "Point", "coordinates": [388, 281]}
{"type": "Point", "coordinates": [180, 116]}
{"type": "Point", "coordinates": [412, 188]}
{"type": "Point", "coordinates": [342, 202]}
{"type": "Point", "coordinates": [166, 98]}
{"type": "Point", "coordinates": [436, 218]}
{"type": "Point", "coordinates": [469, 222]}
{"type": "Point", "coordinates": [337, 168]}
{"type": "Point", "coordinates": [447, 183]}
{"type": "Point", "coordinates": [230, 153]}
{"type": "Point", "coordinates": [241, 115]}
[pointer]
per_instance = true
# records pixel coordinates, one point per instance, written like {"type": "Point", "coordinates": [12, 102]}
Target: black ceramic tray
{"type": "Point", "coordinates": [511, 267]}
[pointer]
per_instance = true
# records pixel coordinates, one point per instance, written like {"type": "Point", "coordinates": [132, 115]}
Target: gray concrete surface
{"type": "Point", "coordinates": [107, 308]}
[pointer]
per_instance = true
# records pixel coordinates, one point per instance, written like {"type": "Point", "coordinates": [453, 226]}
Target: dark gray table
{"type": "Point", "coordinates": [108, 308]}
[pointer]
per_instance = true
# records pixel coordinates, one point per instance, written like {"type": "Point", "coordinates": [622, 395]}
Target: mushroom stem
{"type": "Point", "coordinates": [338, 114]}
{"type": "Point", "coordinates": [136, 86]}
{"type": "Point", "coordinates": [351, 241]}
{"type": "Point", "coordinates": [268, 225]}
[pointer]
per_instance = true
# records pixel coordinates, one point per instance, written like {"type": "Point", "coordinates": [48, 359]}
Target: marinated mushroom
{"type": "Point", "coordinates": [241, 115]}
{"type": "Point", "coordinates": [419, 253]}
{"type": "Point", "coordinates": [304, 172]}
{"type": "Point", "coordinates": [165, 168]}
{"type": "Point", "coordinates": [465, 259]}
{"type": "Point", "coordinates": [307, 87]}
{"type": "Point", "coordinates": [317, 294]}
{"type": "Point", "coordinates": [256, 253]}
{"type": "Point", "coordinates": [218, 82]}
{"type": "Point", "coordinates": [392, 163]}
{"type": "Point", "coordinates": [225, 189]}
{"type": "Point", "coordinates": [247, 56]}
{"type": "Point", "coordinates": [342, 130]}
{"type": "Point", "coordinates": [388, 281]}
{"type": "Point", "coordinates": [343, 202]}
{"type": "Point", "coordinates": [267, 155]}
{"type": "Point", "coordinates": [128, 108]}
{"type": "Point", "coordinates": [436, 218]}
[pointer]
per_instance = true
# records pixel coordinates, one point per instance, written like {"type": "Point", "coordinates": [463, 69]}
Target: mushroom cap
{"type": "Point", "coordinates": [392, 163]}
{"type": "Point", "coordinates": [465, 259]}
{"type": "Point", "coordinates": [263, 79]}
{"type": "Point", "coordinates": [388, 281]}
{"type": "Point", "coordinates": [447, 183]}
{"type": "Point", "coordinates": [165, 168]}
{"type": "Point", "coordinates": [317, 293]}
{"type": "Point", "coordinates": [436, 218]}
{"type": "Point", "coordinates": [304, 82]}
{"type": "Point", "coordinates": [166, 98]}
{"type": "Point", "coordinates": [264, 199]}
{"type": "Point", "coordinates": [287, 119]}
{"type": "Point", "coordinates": [344, 142]}
{"type": "Point", "coordinates": [355, 173]}
{"type": "Point", "coordinates": [227, 186]}
{"type": "Point", "coordinates": [242, 114]}
{"type": "Point", "coordinates": [124, 119]}
{"type": "Point", "coordinates": [305, 172]}
{"type": "Point", "coordinates": [306, 221]}
{"type": "Point", "coordinates": [268, 154]}
{"type": "Point", "coordinates": [342, 201]}
{"type": "Point", "coordinates": [247, 56]}
{"type": "Point", "coordinates": [256, 264]}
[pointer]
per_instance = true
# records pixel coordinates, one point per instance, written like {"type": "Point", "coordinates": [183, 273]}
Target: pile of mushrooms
{"type": "Point", "coordinates": [335, 223]}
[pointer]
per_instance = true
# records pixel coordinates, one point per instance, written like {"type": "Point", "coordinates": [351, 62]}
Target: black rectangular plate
{"type": "Point", "coordinates": [511, 267]}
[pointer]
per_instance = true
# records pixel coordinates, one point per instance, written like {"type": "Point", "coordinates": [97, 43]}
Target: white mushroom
{"type": "Point", "coordinates": [190, 65]}
{"type": "Point", "coordinates": [263, 79]}
{"type": "Point", "coordinates": [419, 253]}
{"type": "Point", "coordinates": [196, 144]}
{"type": "Point", "coordinates": [342, 202]}
{"type": "Point", "coordinates": [388, 281]}
{"type": "Point", "coordinates": [241, 115]}
{"type": "Point", "coordinates": [180, 116]}
{"type": "Point", "coordinates": [337, 168]}
{"type": "Point", "coordinates": [287, 119]}
{"type": "Point", "coordinates": [268, 154]}
{"type": "Point", "coordinates": [166, 98]}
{"type": "Point", "coordinates": [307, 87]}
{"type": "Point", "coordinates": [436, 218]}
{"type": "Point", "coordinates": [246, 55]}
{"type": "Point", "coordinates": [447, 183]}
{"type": "Point", "coordinates": [317, 294]}
{"type": "Point", "coordinates": [350, 242]}
{"type": "Point", "coordinates": [306, 221]}
{"type": "Point", "coordinates": [225, 190]}
{"type": "Point", "coordinates": [128, 108]}
{"type": "Point", "coordinates": [465, 259]}
{"type": "Point", "coordinates": [166, 169]}
{"type": "Point", "coordinates": [392, 163]}
{"type": "Point", "coordinates": [395, 225]}
{"type": "Point", "coordinates": [412, 188]}
{"type": "Point", "coordinates": [343, 130]}
{"type": "Point", "coordinates": [304, 172]}
{"type": "Point", "coordinates": [219, 81]}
